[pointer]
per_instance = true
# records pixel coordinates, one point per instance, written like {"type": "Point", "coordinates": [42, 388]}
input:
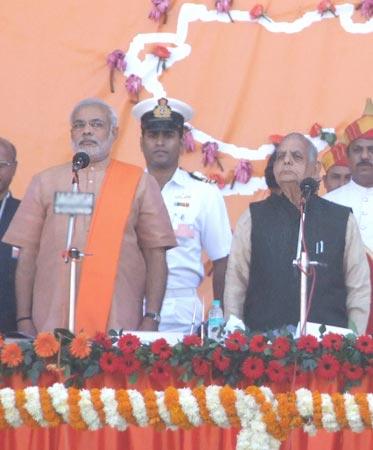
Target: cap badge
{"type": "Point", "coordinates": [162, 110]}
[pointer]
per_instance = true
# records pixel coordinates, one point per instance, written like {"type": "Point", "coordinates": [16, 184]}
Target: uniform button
{"type": "Point", "coordinates": [92, 168]}
{"type": "Point", "coordinates": [90, 181]}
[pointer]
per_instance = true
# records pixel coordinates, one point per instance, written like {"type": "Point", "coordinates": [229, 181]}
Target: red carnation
{"type": "Point", "coordinates": [191, 340]}
{"type": "Point", "coordinates": [315, 130]}
{"type": "Point", "coordinates": [101, 339]}
{"type": "Point", "coordinates": [161, 371]}
{"type": "Point", "coordinates": [352, 372]}
{"type": "Point", "coordinates": [326, 6]}
{"type": "Point", "coordinates": [328, 367]}
{"type": "Point", "coordinates": [236, 341]}
{"type": "Point", "coordinates": [200, 366]}
{"type": "Point", "coordinates": [129, 343]}
{"type": "Point", "coordinates": [221, 362]}
{"type": "Point", "coordinates": [257, 11]}
{"type": "Point", "coordinates": [364, 344]}
{"type": "Point", "coordinates": [128, 364]}
{"type": "Point", "coordinates": [332, 341]}
{"type": "Point", "coordinates": [276, 372]}
{"type": "Point", "coordinates": [161, 348]}
{"type": "Point", "coordinates": [253, 368]}
{"type": "Point", "coordinates": [108, 362]}
{"type": "Point", "coordinates": [258, 344]}
{"type": "Point", "coordinates": [280, 347]}
{"type": "Point", "coordinates": [308, 343]}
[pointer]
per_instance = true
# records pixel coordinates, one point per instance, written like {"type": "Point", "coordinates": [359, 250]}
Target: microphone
{"type": "Point", "coordinates": [80, 161]}
{"type": "Point", "coordinates": [308, 187]}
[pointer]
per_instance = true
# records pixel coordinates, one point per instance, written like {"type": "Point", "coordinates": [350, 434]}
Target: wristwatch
{"type": "Point", "coordinates": [155, 316]}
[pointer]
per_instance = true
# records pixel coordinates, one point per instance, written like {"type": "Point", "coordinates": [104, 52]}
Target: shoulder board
{"type": "Point", "coordinates": [201, 177]}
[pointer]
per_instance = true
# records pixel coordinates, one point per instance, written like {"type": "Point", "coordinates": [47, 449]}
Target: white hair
{"type": "Point", "coordinates": [96, 102]}
{"type": "Point", "coordinates": [311, 149]}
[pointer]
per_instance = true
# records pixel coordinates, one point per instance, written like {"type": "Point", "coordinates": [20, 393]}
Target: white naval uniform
{"type": "Point", "coordinates": [360, 200]}
{"type": "Point", "coordinates": [200, 222]}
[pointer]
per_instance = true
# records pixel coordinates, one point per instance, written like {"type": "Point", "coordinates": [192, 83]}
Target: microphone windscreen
{"type": "Point", "coordinates": [80, 160]}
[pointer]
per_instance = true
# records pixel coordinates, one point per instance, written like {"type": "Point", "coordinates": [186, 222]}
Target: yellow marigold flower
{"type": "Point", "coordinates": [80, 347]}
{"type": "Point", "coordinates": [11, 355]}
{"type": "Point", "coordinates": [46, 345]}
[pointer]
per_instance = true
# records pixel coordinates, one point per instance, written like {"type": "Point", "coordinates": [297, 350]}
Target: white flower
{"type": "Point", "coordinates": [329, 419]}
{"type": "Point", "coordinates": [33, 405]}
{"type": "Point", "coordinates": [59, 396]}
{"type": "Point", "coordinates": [138, 407]}
{"type": "Point", "coordinates": [370, 405]}
{"type": "Point", "coordinates": [11, 413]}
{"type": "Point", "coordinates": [215, 408]}
{"type": "Point", "coordinates": [87, 410]}
{"type": "Point", "coordinates": [190, 407]}
{"type": "Point", "coordinates": [304, 402]}
{"type": "Point", "coordinates": [163, 411]}
{"type": "Point", "coordinates": [113, 418]}
{"type": "Point", "coordinates": [353, 413]}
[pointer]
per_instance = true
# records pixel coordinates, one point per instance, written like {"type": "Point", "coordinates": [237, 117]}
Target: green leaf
{"type": "Point", "coordinates": [133, 378]}
{"type": "Point", "coordinates": [91, 370]}
{"type": "Point", "coordinates": [330, 138]}
{"type": "Point", "coordinates": [309, 364]}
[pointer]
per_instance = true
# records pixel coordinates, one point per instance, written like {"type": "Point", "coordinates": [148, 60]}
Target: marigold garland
{"type": "Point", "coordinates": [98, 404]}
{"type": "Point", "coordinates": [124, 406]}
{"type": "Point", "coordinates": [75, 417]}
{"type": "Point", "coordinates": [178, 417]}
{"type": "Point", "coordinates": [200, 394]}
{"type": "Point", "coordinates": [3, 422]}
{"type": "Point", "coordinates": [20, 400]}
{"type": "Point", "coordinates": [49, 414]}
{"type": "Point", "coordinates": [152, 409]}
{"type": "Point", "coordinates": [228, 400]}
{"type": "Point", "coordinates": [317, 409]}
{"type": "Point", "coordinates": [339, 409]}
{"type": "Point", "coordinates": [362, 402]}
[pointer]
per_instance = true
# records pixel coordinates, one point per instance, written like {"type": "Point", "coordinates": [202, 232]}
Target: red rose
{"type": "Point", "coordinates": [253, 368]}
{"type": "Point", "coordinates": [161, 51]}
{"type": "Point", "coordinates": [280, 347]}
{"type": "Point", "coordinates": [315, 130]}
{"type": "Point", "coordinates": [221, 362]}
{"type": "Point", "coordinates": [257, 11]}
{"type": "Point", "coordinates": [128, 364]}
{"type": "Point", "coordinates": [276, 372]}
{"type": "Point", "coordinates": [103, 340]}
{"type": "Point", "coordinates": [332, 341]}
{"type": "Point", "coordinates": [191, 340]}
{"type": "Point", "coordinates": [258, 344]}
{"type": "Point", "coordinates": [352, 371]}
{"type": "Point", "coordinates": [108, 362]}
{"type": "Point", "coordinates": [161, 371]}
{"type": "Point", "coordinates": [200, 366]}
{"type": "Point", "coordinates": [328, 367]}
{"type": "Point", "coordinates": [129, 343]}
{"type": "Point", "coordinates": [235, 341]}
{"type": "Point", "coordinates": [308, 343]}
{"type": "Point", "coordinates": [218, 179]}
{"type": "Point", "coordinates": [325, 6]}
{"type": "Point", "coordinates": [161, 348]}
{"type": "Point", "coordinates": [364, 344]}
{"type": "Point", "coordinates": [276, 139]}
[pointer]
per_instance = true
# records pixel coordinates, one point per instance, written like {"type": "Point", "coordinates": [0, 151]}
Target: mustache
{"type": "Point", "coordinates": [364, 164]}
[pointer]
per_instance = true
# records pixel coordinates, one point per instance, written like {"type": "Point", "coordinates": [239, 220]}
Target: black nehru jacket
{"type": "Point", "coordinates": [273, 296]}
{"type": "Point", "coordinates": [7, 271]}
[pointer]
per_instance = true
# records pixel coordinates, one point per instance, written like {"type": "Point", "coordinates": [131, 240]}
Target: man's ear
{"type": "Point", "coordinates": [114, 132]}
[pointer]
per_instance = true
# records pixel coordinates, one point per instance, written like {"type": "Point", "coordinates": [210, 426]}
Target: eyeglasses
{"type": "Point", "coordinates": [93, 123]}
{"type": "Point", "coordinates": [4, 164]}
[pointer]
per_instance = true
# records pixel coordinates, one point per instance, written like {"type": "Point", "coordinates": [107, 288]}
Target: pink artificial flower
{"type": "Point", "coordinates": [210, 154]}
{"type": "Point", "coordinates": [243, 171]}
{"type": "Point", "coordinates": [115, 60]}
{"type": "Point", "coordinates": [366, 7]}
{"type": "Point", "coordinates": [133, 86]}
{"type": "Point", "coordinates": [189, 142]}
{"type": "Point", "coordinates": [326, 6]}
{"type": "Point", "coordinates": [224, 6]}
{"type": "Point", "coordinates": [160, 8]}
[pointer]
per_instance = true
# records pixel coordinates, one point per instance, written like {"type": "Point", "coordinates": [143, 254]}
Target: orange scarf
{"type": "Point", "coordinates": [98, 275]}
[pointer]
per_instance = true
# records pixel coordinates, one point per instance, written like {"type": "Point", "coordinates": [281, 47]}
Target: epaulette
{"type": "Point", "coordinates": [201, 177]}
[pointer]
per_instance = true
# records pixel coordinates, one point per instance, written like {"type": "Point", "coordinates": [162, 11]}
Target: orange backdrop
{"type": "Point", "coordinates": [246, 80]}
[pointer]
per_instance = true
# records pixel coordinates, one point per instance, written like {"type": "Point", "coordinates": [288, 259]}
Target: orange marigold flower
{"type": "Point", "coordinates": [1, 340]}
{"type": "Point", "coordinates": [80, 347]}
{"type": "Point", "coordinates": [46, 345]}
{"type": "Point", "coordinates": [11, 355]}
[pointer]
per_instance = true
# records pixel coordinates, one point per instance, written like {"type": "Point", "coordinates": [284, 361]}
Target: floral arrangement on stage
{"type": "Point", "coordinates": [240, 359]}
{"type": "Point", "coordinates": [265, 419]}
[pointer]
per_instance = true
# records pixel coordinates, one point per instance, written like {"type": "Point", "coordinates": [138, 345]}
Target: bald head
{"type": "Point", "coordinates": [8, 165]}
{"type": "Point", "coordinates": [8, 150]}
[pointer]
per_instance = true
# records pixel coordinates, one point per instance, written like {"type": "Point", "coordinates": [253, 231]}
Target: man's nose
{"type": "Point", "coordinates": [287, 159]}
{"type": "Point", "coordinates": [160, 139]}
{"type": "Point", "coordinates": [87, 129]}
{"type": "Point", "coordinates": [365, 154]}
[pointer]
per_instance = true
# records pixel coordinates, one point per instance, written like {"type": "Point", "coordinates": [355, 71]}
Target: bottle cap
{"type": "Point", "coordinates": [216, 302]}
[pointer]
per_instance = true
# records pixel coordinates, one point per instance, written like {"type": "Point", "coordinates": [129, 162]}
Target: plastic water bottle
{"type": "Point", "coordinates": [215, 320]}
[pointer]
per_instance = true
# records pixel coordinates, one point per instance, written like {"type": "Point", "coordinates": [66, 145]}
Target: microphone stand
{"type": "Point", "coordinates": [74, 255]}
